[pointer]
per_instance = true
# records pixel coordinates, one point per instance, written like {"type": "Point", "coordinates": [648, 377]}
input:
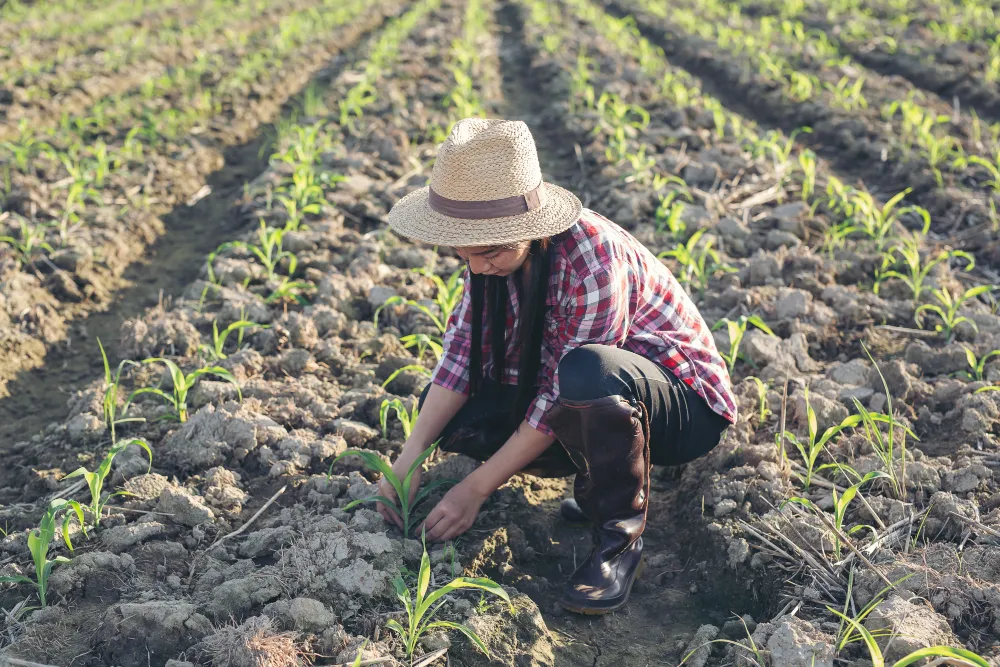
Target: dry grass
{"type": "Point", "coordinates": [254, 643]}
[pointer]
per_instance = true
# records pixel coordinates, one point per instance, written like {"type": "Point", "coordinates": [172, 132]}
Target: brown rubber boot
{"type": "Point", "coordinates": [608, 439]}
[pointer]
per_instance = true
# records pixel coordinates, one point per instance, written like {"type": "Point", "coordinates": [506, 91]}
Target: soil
{"type": "Point", "coordinates": [234, 545]}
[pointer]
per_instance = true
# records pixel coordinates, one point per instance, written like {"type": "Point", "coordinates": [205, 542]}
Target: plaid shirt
{"type": "Point", "coordinates": [604, 288]}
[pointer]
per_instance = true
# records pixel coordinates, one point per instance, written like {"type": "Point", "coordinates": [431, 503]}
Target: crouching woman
{"type": "Point", "coordinates": [573, 351]}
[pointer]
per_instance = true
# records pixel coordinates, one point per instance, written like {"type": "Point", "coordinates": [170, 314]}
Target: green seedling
{"type": "Point", "coordinates": [737, 331]}
{"type": "Point", "coordinates": [763, 410]}
{"type": "Point", "coordinates": [421, 606]}
{"type": "Point", "coordinates": [109, 401]}
{"type": "Point", "coordinates": [404, 508]}
{"type": "Point", "coordinates": [816, 443]}
{"type": "Point", "coordinates": [840, 504]}
{"type": "Point", "coordinates": [978, 366]}
{"type": "Point", "coordinates": [848, 95]}
{"type": "Point", "coordinates": [756, 654]}
{"type": "Point", "coordinates": [269, 251]}
{"type": "Point", "coordinates": [846, 633]}
{"type": "Point", "coordinates": [406, 418]}
{"type": "Point", "coordinates": [887, 446]}
{"type": "Point", "coordinates": [947, 310]}
{"type": "Point", "coordinates": [958, 657]}
{"type": "Point", "coordinates": [807, 164]}
{"type": "Point", "coordinates": [449, 294]}
{"type": "Point", "coordinates": [669, 212]}
{"type": "Point", "coordinates": [39, 540]}
{"type": "Point", "coordinates": [288, 290]}
{"type": "Point", "coordinates": [30, 243]}
{"type": "Point", "coordinates": [95, 480]}
{"type": "Point", "coordinates": [423, 343]}
{"type": "Point", "coordinates": [182, 383]}
{"type": "Point", "coordinates": [699, 262]}
{"type": "Point", "coordinates": [216, 352]}
{"type": "Point", "coordinates": [906, 256]}
{"type": "Point", "coordinates": [416, 368]}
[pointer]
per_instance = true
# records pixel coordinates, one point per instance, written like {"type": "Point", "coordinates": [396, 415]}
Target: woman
{"type": "Point", "coordinates": [573, 350]}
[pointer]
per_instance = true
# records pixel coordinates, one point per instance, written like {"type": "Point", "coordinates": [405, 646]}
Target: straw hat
{"type": "Point", "coordinates": [486, 188]}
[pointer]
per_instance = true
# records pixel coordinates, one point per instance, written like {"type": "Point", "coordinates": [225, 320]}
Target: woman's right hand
{"type": "Point", "coordinates": [400, 468]}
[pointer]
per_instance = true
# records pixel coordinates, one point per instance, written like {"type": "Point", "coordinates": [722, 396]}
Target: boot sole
{"type": "Point", "coordinates": [601, 611]}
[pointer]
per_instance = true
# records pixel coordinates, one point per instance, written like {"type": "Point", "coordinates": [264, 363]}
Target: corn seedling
{"type": "Point", "coordinates": [417, 368]}
{"type": "Point", "coordinates": [957, 657]}
{"type": "Point", "coordinates": [763, 410]}
{"type": "Point", "coordinates": [423, 343]}
{"type": "Point", "coordinates": [816, 443]}
{"type": "Point", "coordinates": [840, 504]}
{"type": "Point", "coordinates": [95, 480]}
{"type": "Point", "coordinates": [669, 212]}
{"type": "Point", "coordinates": [737, 330]}
{"type": "Point", "coordinates": [403, 506]}
{"type": "Point", "coordinates": [29, 244]}
{"type": "Point", "coordinates": [269, 251]}
{"type": "Point", "coordinates": [699, 262]}
{"type": "Point", "coordinates": [449, 294]}
{"type": "Point", "coordinates": [39, 540]}
{"type": "Point", "coordinates": [288, 290]}
{"type": "Point", "coordinates": [109, 401]}
{"type": "Point", "coordinates": [978, 366]}
{"type": "Point", "coordinates": [906, 256]}
{"type": "Point", "coordinates": [947, 309]}
{"type": "Point", "coordinates": [846, 633]}
{"type": "Point", "coordinates": [406, 418]}
{"type": "Point", "coordinates": [807, 164]}
{"type": "Point", "coordinates": [216, 351]}
{"type": "Point", "coordinates": [848, 95]}
{"type": "Point", "coordinates": [182, 383]}
{"type": "Point", "coordinates": [421, 606]}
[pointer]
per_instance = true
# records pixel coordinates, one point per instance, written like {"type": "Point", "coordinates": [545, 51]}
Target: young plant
{"type": "Point", "coordinates": [30, 243]}
{"type": "Point", "coordinates": [423, 343]}
{"type": "Point", "coordinates": [737, 330]}
{"type": "Point", "coordinates": [840, 504]}
{"type": "Point", "coordinates": [978, 366]}
{"type": "Point", "coordinates": [269, 251]}
{"type": "Point", "coordinates": [957, 657]}
{"type": "Point", "coordinates": [216, 351]}
{"type": "Point", "coordinates": [403, 507]}
{"type": "Point", "coordinates": [288, 290]}
{"type": "Point", "coordinates": [449, 294]}
{"type": "Point", "coordinates": [109, 401]}
{"type": "Point", "coordinates": [421, 606]}
{"type": "Point", "coordinates": [887, 446]}
{"type": "Point", "coordinates": [669, 211]}
{"type": "Point", "coordinates": [808, 164]}
{"type": "Point", "coordinates": [95, 480]}
{"type": "Point", "coordinates": [406, 418]}
{"type": "Point", "coordinates": [763, 410]}
{"type": "Point", "coordinates": [906, 255]}
{"type": "Point", "coordinates": [948, 309]}
{"type": "Point", "coordinates": [699, 262]}
{"type": "Point", "coordinates": [417, 368]}
{"type": "Point", "coordinates": [182, 385]}
{"type": "Point", "coordinates": [39, 540]}
{"type": "Point", "coordinates": [811, 449]}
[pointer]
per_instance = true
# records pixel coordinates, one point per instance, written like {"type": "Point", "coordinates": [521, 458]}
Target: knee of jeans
{"type": "Point", "coordinates": [583, 373]}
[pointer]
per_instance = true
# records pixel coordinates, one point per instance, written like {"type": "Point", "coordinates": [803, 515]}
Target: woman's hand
{"type": "Point", "coordinates": [400, 468]}
{"type": "Point", "coordinates": [455, 513]}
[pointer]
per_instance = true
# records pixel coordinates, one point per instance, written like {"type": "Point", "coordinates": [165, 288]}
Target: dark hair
{"type": "Point", "coordinates": [490, 293]}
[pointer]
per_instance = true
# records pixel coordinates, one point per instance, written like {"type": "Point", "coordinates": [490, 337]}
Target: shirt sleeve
{"type": "Point", "coordinates": [452, 371]}
{"type": "Point", "coordinates": [593, 312]}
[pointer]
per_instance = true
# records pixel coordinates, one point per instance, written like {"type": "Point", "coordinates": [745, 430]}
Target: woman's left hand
{"type": "Point", "coordinates": [455, 513]}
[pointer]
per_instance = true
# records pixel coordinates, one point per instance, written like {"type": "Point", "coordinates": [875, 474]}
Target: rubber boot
{"type": "Point", "coordinates": [608, 440]}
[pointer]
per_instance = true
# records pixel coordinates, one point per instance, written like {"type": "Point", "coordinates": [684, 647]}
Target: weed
{"type": "Point", "coordinates": [405, 508]}
{"type": "Point", "coordinates": [95, 480]}
{"type": "Point", "coordinates": [421, 606]}
{"type": "Point", "coordinates": [182, 383]}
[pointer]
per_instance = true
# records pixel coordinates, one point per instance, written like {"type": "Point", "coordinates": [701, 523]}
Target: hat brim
{"type": "Point", "coordinates": [413, 217]}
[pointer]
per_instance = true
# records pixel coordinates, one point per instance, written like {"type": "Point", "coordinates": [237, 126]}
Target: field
{"type": "Point", "coordinates": [198, 190]}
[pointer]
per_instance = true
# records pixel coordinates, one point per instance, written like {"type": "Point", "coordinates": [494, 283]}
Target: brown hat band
{"type": "Point", "coordinates": [494, 208]}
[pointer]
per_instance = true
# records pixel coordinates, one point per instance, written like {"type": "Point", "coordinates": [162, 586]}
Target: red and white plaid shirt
{"type": "Point", "coordinates": [604, 288]}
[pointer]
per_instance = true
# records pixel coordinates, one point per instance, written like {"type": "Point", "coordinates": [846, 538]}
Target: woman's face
{"type": "Point", "coordinates": [495, 260]}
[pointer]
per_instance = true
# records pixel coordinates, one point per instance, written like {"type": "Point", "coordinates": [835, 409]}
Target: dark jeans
{"type": "Point", "coordinates": [682, 427]}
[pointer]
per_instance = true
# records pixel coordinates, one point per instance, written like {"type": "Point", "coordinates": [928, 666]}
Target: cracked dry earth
{"type": "Point", "coordinates": [166, 579]}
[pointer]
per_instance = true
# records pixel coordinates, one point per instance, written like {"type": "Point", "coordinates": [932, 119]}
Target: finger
{"type": "Point", "coordinates": [454, 531]}
{"type": "Point", "coordinates": [440, 528]}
